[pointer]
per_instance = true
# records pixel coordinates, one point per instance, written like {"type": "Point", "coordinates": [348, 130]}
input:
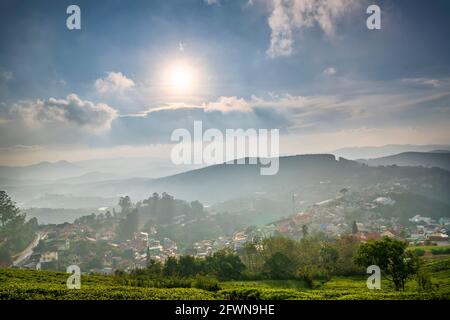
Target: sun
{"type": "Point", "coordinates": [181, 77]}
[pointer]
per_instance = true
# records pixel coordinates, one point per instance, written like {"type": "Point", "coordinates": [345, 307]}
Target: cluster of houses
{"type": "Point", "coordinates": [331, 217]}
{"type": "Point", "coordinates": [61, 247]}
{"type": "Point", "coordinates": [205, 248]}
{"type": "Point", "coordinates": [429, 231]}
{"type": "Point", "coordinates": [160, 250]}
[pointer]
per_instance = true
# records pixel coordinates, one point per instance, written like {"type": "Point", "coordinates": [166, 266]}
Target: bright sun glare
{"type": "Point", "coordinates": [181, 78]}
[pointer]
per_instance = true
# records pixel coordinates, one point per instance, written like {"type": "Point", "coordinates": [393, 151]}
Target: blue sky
{"type": "Point", "coordinates": [309, 68]}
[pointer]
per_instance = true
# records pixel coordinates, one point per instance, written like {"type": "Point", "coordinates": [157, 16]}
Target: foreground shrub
{"type": "Point", "coordinates": [419, 252]}
{"type": "Point", "coordinates": [438, 251]}
{"type": "Point", "coordinates": [206, 283]}
{"type": "Point", "coordinates": [241, 294]}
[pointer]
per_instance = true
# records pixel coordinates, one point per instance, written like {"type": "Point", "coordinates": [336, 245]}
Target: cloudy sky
{"type": "Point", "coordinates": [137, 70]}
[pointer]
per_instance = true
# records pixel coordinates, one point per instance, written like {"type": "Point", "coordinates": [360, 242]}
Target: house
{"type": "Point", "coordinates": [416, 237]}
{"type": "Point", "coordinates": [386, 201]}
{"type": "Point", "coordinates": [49, 256]}
{"type": "Point", "coordinates": [33, 265]}
{"type": "Point", "coordinates": [440, 239]}
{"type": "Point", "coordinates": [444, 221]}
{"type": "Point", "coordinates": [140, 241]}
{"type": "Point", "coordinates": [301, 218]}
{"type": "Point", "coordinates": [372, 236]}
{"type": "Point", "coordinates": [418, 218]}
{"type": "Point", "coordinates": [239, 239]}
{"type": "Point", "coordinates": [388, 234]}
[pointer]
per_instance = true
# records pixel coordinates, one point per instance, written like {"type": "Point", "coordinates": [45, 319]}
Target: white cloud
{"type": "Point", "coordinates": [423, 82]}
{"type": "Point", "coordinates": [114, 81]}
{"type": "Point", "coordinates": [228, 104]}
{"type": "Point", "coordinates": [222, 104]}
{"type": "Point", "coordinates": [6, 76]}
{"type": "Point", "coordinates": [290, 16]}
{"type": "Point", "coordinates": [211, 2]}
{"type": "Point", "coordinates": [330, 71]}
{"type": "Point", "coordinates": [72, 110]}
{"type": "Point", "coordinates": [71, 120]}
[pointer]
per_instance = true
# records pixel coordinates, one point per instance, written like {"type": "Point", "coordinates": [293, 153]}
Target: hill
{"type": "Point", "coordinates": [42, 171]}
{"type": "Point", "coordinates": [415, 159]}
{"type": "Point", "coordinates": [312, 177]}
{"type": "Point", "coordinates": [387, 150]}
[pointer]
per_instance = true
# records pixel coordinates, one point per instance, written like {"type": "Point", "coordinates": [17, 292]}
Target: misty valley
{"type": "Point", "coordinates": [326, 207]}
{"type": "Point", "coordinates": [224, 152]}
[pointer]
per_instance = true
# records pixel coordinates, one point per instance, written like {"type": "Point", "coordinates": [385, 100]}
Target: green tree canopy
{"type": "Point", "coordinates": [391, 257]}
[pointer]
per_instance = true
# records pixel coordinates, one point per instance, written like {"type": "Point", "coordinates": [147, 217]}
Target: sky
{"type": "Point", "coordinates": [137, 70]}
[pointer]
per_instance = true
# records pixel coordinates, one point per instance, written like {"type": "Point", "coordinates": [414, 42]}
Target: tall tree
{"type": "Point", "coordinates": [167, 208]}
{"type": "Point", "coordinates": [9, 213]}
{"type": "Point", "coordinates": [15, 233]}
{"type": "Point", "coordinates": [129, 225]}
{"type": "Point", "coordinates": [197, 208]}
{"type": "Point", "coordinates": [354, 228]}
{"type": "Point", "coordinates": [304, 231]}
{"type": "Point", "coordinates": [125, 204]}
{"type": "Point", "coordinates": [391, 256]}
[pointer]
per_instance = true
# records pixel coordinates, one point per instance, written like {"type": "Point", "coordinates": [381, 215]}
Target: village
{"type": "Point", "coordinates": [91, 241]}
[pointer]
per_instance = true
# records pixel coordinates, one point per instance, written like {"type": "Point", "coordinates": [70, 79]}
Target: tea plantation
{"type": "Point", "coordinates": [29, 284]}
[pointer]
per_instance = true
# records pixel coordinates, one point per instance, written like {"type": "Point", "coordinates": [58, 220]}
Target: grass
{"type": "Point", "coordinates": [428, 248]}
{"type": "Point", "coordinates": [30, 284]}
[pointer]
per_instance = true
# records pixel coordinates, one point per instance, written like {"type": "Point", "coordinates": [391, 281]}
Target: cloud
{"type": "Point", "coordinates": [330, 71]}
{"type": "Point", "coordinates": [113, 82]}
{"type": "Point", "coordinates": [64, 121]}
{"type": "Point", "coordinates": [71, 110]}
{"type": "Point", "coordinates": [222, 104]}
{"type": "Point", "coordinates": [427, 82]}
{"type": "Point", "coordinates": [6, 76]}
{"type": "Point", "coordinates": [211, 2]}
{"type": "Point", "coordinates": [290, 16]}
{"type": "Point", "coordinates": [228, 104]}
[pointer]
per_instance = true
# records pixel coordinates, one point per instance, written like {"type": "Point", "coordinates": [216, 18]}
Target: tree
{"type": "Point", "coordinates": [225, 265]}
{"type": "Point", "coordinates": [129, 225]}
{"type": "Point", "coordinates": [5, 256]}
{"type": "Point", "coordinates": [347, 247]}
{"type": "Point", "coordinates": [9, 213]}
{"type": "Point", "coordinates": [354, 228]}
{"type": "Point", "coordinates": [328, 258]}
{"type": "Point", "coordinates": [391, 257]}
{"type": "Point", "coordinates": [197, 208]}
{"type": "Point", "coordinates": [279, 266]}
{"type": "Point", "coordinates": [167, 208]}
{"type": "Point", "coordinates": [187, 266]}
{"type": "Point", "coordinates": [15, 233]}
{"type": "Point", "coordinates": [148, 257]}
{"type": "Point", "coordinates": [304, 231]}
{"type": "Point", "coordinates": [95, 263]}
{"type": "Point", "coordinates": [250, 255]}
{"type": "Point", "coordinates": [154, 267]}
{"type": "Point", "coordinates": [170, 267]}
{"type": "Point", "coordinates": [125, 204]}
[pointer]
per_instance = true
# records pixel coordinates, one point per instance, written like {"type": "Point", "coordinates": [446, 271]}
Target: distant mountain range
{"type": "Point", "coordinates": [426, 159]}
{"type": "Point", "coordinates": [42, 171]}
{"type": "Point", "coordinates": [387, 150]}
{"type": "Point", "coordinates": [311, 177]}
